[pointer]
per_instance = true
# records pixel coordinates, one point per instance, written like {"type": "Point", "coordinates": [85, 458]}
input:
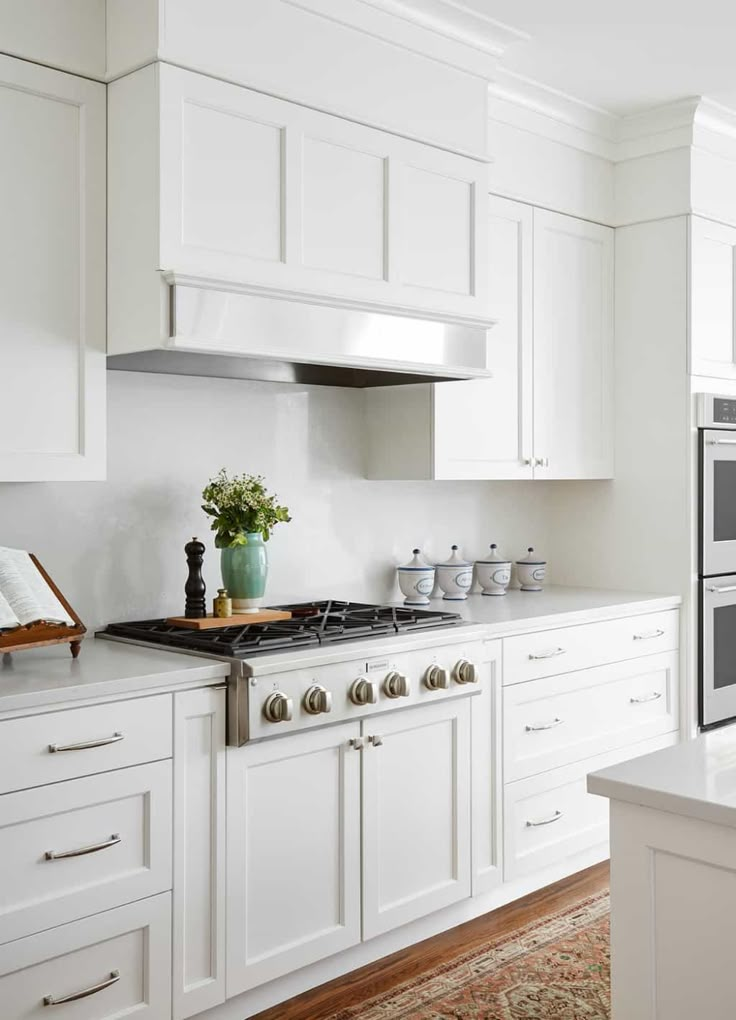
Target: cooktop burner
{"type": "Point", "coordinates": [312, 623]}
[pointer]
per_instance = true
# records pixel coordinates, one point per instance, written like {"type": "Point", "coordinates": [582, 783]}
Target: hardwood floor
{"type": "Point", "coordinates": [392, 970]}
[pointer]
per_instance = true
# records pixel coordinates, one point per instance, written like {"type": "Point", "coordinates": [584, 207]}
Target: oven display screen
{"type": "Point", "coordinates": [724, 411]}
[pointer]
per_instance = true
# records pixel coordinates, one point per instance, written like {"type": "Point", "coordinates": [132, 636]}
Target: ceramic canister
{"type": "Point", "coordinates": [531, 570]}
{"type": "Point", "coordinates": [455, 577]}
{"type": "Point", "coordinates": [494, 573]}
{"type": "Point", "coordinates": [416, 580]}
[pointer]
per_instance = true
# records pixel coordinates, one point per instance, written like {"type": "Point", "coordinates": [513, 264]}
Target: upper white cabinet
{"type": "Point", "coordinates": [712, 274]}
{"type": "Point", "coordinates": [212, 181]}
{"type": "Point", "coordinates": [52, 275]}
{"type": "Point", "coordinates": [548, 410]}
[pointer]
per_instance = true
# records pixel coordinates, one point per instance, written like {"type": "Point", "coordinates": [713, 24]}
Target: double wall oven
{"type": "Point", "coordinates": [717, 559]}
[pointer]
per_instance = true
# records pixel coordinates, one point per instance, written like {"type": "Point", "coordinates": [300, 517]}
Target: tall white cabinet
{"type": "Point", "coordinates": [52, 274]}
{"type": "Point", "coordinates": [548, 410]}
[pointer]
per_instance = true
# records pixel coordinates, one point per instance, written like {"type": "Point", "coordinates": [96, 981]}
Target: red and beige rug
{"type": "Point", "coordinates": [554, 969]}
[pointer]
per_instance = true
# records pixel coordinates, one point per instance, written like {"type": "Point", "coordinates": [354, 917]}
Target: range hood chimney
{"type": "Point", "coordinates": [243, 333]}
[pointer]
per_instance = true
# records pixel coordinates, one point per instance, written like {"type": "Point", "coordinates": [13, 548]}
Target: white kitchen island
{"type": "Point", "coordinates": [673, 880]}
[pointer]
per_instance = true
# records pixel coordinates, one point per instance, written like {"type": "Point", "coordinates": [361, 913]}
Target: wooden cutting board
{"type": "Point", "coordinates": [210, 622]}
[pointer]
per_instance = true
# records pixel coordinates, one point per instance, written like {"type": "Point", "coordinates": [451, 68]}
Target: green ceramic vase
{"type": "Point", "coordinates": [244, 573]}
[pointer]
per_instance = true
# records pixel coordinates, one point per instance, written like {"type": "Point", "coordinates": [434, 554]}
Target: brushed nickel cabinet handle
{"type": "Point", "coordinates": [85, 744]}
{"type": "Point", "coordinates": [51, 1000]}
{"type": "Point", "coordinates": [60, 855]}
{"type": "Point", "coordinates": [648, 635]}
{"type": "Point", "coordinates": [356, 743]}
{"type": "Point", "coordinates": [545, 821]}
{"type": "Point", "coordinates": [654, 696]}
{"type": "Point", "coordinates": [536, 728]}
{"type": "Point", "coordinates": [547, 655]}
{"type": "Point", "coordinates": [375, 740]}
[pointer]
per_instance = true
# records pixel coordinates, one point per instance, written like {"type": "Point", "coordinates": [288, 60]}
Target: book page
{"type": "Point", "coordinates": [7, 616]}
{"type": "Point", "coordinates": [26, 591]}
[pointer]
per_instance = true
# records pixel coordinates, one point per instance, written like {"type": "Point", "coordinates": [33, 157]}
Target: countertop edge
{"type": "Point", "coordinates": [661, 800]}
{"type": "Point", "coordinates": [577, 617]}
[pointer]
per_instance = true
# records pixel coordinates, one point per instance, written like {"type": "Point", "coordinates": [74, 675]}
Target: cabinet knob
{"type": "Point", "coordinates": [317, 700]}
{"type": "Point", "coordinates": [364, 692]}
{"type": "Point", "coordinates": [437, 678]}
{"type": "Point", "coordinates": [278, 708]}
{"type": "Point", "coordinates": [396, 685]}
{"type": "Point", "coordinates": [465, 672]}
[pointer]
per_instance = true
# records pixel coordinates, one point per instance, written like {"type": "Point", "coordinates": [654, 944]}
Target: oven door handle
{"type": "Point", "coordinates": [720, 591]}
{"type": "Point", "coordinates": [721, 442]}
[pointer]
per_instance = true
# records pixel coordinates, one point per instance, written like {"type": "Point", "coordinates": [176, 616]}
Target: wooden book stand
{"type": "Point", "coordinates": [35, 635]}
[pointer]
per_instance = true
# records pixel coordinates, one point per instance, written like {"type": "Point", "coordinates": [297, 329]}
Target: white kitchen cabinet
{"type": "Point", "coordinates": [199, 899]}
{"type": "Point", "coordinates": [293, 853]}
{"type": "Point", "coordinates": [52, 275]}
{"type": "Point", "coordinates": [212, 182]}
{"type": "Point", "coordinates": [547, 412]}
{"type": "Point", "coordinates": [487, 773]}
{"type": "Point", "coordinates": [416, 813]}
{"type": "Point", "coordinates": [712, 324]}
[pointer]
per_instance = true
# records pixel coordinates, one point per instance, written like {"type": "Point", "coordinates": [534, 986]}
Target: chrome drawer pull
{"type": "Point", "coordinates": [51, 1000]}
{"type": "Point", "coordinates": [649, 634]}
{"type": "Point", "coordinates": [100, 742]}
{"type": "Point", "coordinates": [548, 655]}
{"type": "Point", "coordinates": [722, 442]}
{"type": "Point", "coordinates": [59, 855]}
{"type": "Point", "coordinates": [720, 591]}
{"type": "Point", "coordinates": [544, 726]}
{"type": "Point", "coordinates": [545, 821]}
{"type": "Point", "coordinates": [654, 696]}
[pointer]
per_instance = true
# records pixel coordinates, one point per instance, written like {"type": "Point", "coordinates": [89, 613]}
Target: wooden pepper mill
{"type": "Point", "coordinates": [195, 607]}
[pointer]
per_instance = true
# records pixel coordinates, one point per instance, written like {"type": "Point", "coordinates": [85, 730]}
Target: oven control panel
{"type": "Point", "coordinates": [716, 412]}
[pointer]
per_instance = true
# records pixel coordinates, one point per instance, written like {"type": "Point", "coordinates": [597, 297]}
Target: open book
{"type": "Point", "coordinates": [25, 596]}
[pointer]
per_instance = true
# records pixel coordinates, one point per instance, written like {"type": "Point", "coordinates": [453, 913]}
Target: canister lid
{"type": "Point", "coordinates": [416, 562]}
{"type": "Point", "coordinates": [530, 559]}
{"type": "Point", "coordinates": [494, 556]}
{"type": "Point", "coordinates": [455, 560]}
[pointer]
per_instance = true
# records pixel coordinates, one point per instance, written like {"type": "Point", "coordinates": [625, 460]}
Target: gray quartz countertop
{"type": "Point", "coordinates": [696, 779]}
{"type": "Point", "coordinates": [48, 676]}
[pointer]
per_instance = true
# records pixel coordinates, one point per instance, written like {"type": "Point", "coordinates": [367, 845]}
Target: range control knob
{"type": "Point", "coordinates": [363, 692]}
{"type": "Point", "coordinates": [465, 672]}
{"type": "Point", "coordinates": [437, 678]}
{"type": "Point", "coordinates": [278, 708]}
{"type": "Point", "coordinates": [317, 700]}
{"type": "Point", "coordinates": [396, 685]}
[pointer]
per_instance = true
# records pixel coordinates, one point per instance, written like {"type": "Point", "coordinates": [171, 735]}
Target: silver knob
{"type": "Point", "coordinates": [317, 700]}
{"type": "Point", "coordinates": [437, 678]}
{"type": "Point", "coordinates": [396, 685]}
{"type": "Point", "coordinates": [364, 692]}
{"type": "Point", "coordinates": [465, 672]}
{"type": "Point", "coordinates": [278, 708]}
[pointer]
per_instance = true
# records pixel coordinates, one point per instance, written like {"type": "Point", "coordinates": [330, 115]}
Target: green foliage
{"type": "Point", "coordinates": [239, 505]}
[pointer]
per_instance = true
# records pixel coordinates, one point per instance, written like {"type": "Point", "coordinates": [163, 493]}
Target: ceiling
{"type": "Point", "coordinates": [625, 56]}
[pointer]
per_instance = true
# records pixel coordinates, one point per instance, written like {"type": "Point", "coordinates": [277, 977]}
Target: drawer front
{"type": "Point", "coordinates": [111, 965]}
{"type": "Point", "coordinates": [110, 837]}
{"type": "Point", "coordinates": [55, 746]}
{"type": "Point", "coordinates": [552, 652]}
{"type": "Point", "coordinates": [552, 816]}
{"type": "Point", "coordinates": [559, 720]}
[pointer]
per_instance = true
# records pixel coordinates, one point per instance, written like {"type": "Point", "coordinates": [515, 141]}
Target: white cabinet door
{"type": "Point", "coordinates": [199, 851]}
{"type": "Point", "coordinates": [265, 193]}
{"type": "Point", "coordinates": [416, 813]}
{"type": "Point", "coordinates": [573, 347]}
{"type": "Point", "coordinates": [712, 325]}
{"type": "Point", "coordinates": [293, 853]}
{"type": "Point", "coordinates": [52, 275]}
{"type": "Point", "coordinates": [487, 773]}
{"type": "Point", "coordinates": [483, 428]}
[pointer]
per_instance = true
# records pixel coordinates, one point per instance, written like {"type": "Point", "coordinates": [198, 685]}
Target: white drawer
{"type": "Point", "coordinates": [558, 720]}
{"type": "Point", "coordinates": [550, 652]}
{"type": "Point", "coordinates": [132, 944]}
{"type": "Point", "coordinates": [123, 820]}
{"type": "Point", "coordinates": [552, 816]}
{"type": "Point", "coordinates": [111, 736]}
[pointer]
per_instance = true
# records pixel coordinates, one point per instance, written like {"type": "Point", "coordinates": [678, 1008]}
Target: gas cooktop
{"type": "Point", "coordinates": [312, 623]}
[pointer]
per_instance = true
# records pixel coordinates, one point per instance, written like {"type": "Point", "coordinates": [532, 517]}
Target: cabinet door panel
{"type": "Point", "coordinates": [483, 428]}
{"type": "Point", "coordinates": [436, 230]}
{"type": "Point", "coordinates": [712, 325]}
{"type": "Point", "coordinates": [573, 347]}
{"type": "Point", "coordinates": [416, 814]}
{"type": "Point", "coordinates": [52, 275]}
{"type": "Point", "coordinates": [293, 854]}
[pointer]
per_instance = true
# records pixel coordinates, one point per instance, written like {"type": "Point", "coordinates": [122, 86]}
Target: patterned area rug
{"type": "Point", "coordinates": [554, 969]}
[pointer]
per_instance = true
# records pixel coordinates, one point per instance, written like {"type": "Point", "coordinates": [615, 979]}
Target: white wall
{"type": "Point", "coordinates": [116, 547]}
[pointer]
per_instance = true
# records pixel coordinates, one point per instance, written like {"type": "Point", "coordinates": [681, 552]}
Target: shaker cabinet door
{"type": "Point", "coordinates": [52, 275]}
{"type": "Point", "coordinates": [712, 324]}
{"type": "Point", "coordinates": [293, 853]}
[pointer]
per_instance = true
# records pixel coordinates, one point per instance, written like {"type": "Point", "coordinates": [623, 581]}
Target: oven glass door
{"type": "Point", "coordinates": [718, 503]}
{"type": "Point", "coordinates": [718, 650]}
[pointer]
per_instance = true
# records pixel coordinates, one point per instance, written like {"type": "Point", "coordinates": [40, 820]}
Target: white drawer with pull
{"type": "Point", "coordinates": [551, 816]}
{"type": "Point", "coordinates": [49, 748]}
{"type": "Point", "coordinates": [549, 652]}
{"type": "Point", "coordinates": [83, 846]}
{"type": "Point", "coordinates": [108, 966]}
{"type": "Point", "coordinates": [558, 720]}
